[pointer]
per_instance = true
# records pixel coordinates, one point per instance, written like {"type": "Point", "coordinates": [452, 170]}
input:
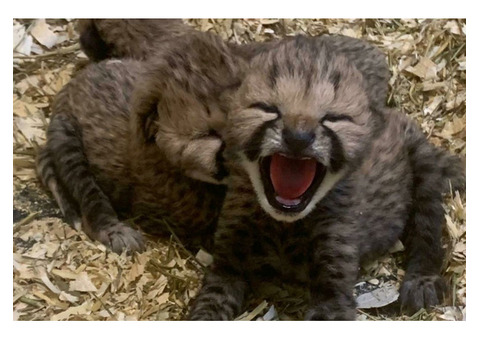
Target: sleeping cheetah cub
{"type": "Point", "coordinates": [321, 180]}
{"type": "Point", "coordinates": [111, 146]}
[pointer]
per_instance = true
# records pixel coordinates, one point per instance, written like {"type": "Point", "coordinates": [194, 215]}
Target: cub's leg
{"type": "Point", "coordinates": [63, 167]}
{"type": "Point", "coordinates": [423, 286]}
{"type": "Point", "coordinates": [221, 297]}
{"type": "Point", "coordinates": [333, 271]}
{"type": "Point", "coordinates": [225, 287]}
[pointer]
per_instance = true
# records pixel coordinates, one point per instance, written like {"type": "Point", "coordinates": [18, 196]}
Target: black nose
{"type": "Point", "coordinates": [297, 140]}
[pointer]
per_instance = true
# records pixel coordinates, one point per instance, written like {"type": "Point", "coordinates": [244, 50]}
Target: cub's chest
{"type": "Point", "coordinates": [277, 256]}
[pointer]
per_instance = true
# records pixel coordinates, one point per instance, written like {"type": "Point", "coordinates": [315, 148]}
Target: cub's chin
{"type": "Point", "coordinates": [288, 188]}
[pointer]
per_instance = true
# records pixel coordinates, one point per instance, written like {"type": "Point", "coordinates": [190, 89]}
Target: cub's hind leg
{"type": "Point", "coordinates": [69, 170]}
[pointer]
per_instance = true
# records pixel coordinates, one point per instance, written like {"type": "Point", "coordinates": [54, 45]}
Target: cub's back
{"type": "Point", "coordinates": [98, 99]}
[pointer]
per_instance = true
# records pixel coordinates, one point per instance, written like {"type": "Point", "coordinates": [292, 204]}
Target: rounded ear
{"type": "Point", "coordinates": [145, 114]}
{"type": "Point", "coordinates": [91, 41]}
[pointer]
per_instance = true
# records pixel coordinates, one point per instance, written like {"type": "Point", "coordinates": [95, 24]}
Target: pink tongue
{"type": "Point", "coordinates": [291, 177]}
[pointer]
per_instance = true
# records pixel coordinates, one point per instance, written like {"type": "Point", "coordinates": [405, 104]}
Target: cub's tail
{"type": "Point", "coordinates": [434, 172]}
{"type": "Point", "coordinates": [48, 177]}
{"type": "Point", "coordinates": [432, 166]}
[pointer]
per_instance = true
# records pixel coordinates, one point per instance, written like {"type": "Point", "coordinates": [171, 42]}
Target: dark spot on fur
{"type": "Point", "coordinates": [335, 78]}
{"type": "Point", "coordinates": [222, 171]}
{"type": "Point", "coordinates": [266, 271]}
{"type": "Point", "coordinates": [242, 233]}
{"type": "Point", "coordinates": [273, 74]}
{"type": "Point", "coordinates": [240, 254]}
{"type": "Point", "coordinates": [172, 62]}
{"type": "Point", "coordinates": [337, 157]}
{"type": "Point", "coordinates": [258, 249]}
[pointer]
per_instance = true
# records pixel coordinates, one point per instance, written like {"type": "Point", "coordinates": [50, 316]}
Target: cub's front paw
{"type": "Point", "coordinates": [421, 291]}
{"type": "Point", "coordinates": [119, 237]}
{"type": "Point", "coordinates": [331, 310]}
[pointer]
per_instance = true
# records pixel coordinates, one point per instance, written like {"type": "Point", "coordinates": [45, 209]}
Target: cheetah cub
{"type": "Point", "coordinates": [130, 137]}
{"type": "Point", "coordinates": [321, 180]}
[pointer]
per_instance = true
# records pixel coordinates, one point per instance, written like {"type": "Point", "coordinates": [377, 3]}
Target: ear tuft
{"type": "Point", "coordinates": [91, 41]}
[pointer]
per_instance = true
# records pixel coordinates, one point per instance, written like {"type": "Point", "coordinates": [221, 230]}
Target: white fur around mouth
{"type": "Point", "coordinates": [253, 170]}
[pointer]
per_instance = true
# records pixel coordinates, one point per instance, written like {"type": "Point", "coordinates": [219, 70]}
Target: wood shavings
{"type": "Point", "coordinates": [378, 298]}
{"type": "Point", "coordinates": [424, 69]}
{"type": "Point", "coordinates": [19, 33]}
{"type": "Point", "coordinates": [453, 127]}
{"type": "Point", "coordinates": [24, 46]}
{"type": "Point", "coordinates": [42, 33]}
{"type": "Point", "coordinates": [254, 313]}
{"type": "Point", "coordinates": [433, 106]}
{"type": "Point", "coordinates": [452, 228]}
{"type": "Point", "coordinates": [452, 27]}
{"type": "Point", "coordinates": [82, 309]}
{"type": "Point", "coordinates": [204, 258]}
{"type": "Point", "coordinates": [82, 284]}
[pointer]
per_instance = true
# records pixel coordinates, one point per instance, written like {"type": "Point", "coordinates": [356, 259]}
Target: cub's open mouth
{"type": "Point", "coordinates": [290, 183]}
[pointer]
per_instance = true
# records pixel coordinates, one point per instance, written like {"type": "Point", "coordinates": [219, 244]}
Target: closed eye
{"type": "Point", "coordinates": [336, 117]}
{"type": "Point", "coordinates": [265, 107]}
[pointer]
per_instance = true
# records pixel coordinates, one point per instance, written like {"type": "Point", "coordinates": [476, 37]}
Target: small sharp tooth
{"type": "Point", "coordinates": [286, 201]}
{"type": "Point", "coordinates": [292, 157]}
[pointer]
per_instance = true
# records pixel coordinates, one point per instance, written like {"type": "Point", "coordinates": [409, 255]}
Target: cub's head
{"type": "Point", "coordinates": [178, 104]}
{"type": "Point", "coordinates": [300, 121]}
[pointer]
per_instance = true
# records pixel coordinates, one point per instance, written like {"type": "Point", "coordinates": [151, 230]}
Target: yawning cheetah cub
{"type": "Point", "coordinates": [320, 180]}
